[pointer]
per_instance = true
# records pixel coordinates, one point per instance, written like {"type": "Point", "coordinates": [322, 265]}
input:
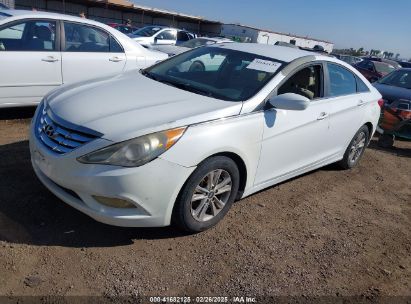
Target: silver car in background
{"type": "Point", "coordinates": [173, 50]}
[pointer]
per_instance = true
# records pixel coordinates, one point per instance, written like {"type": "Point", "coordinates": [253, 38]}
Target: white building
{"type": "Point", "coordinates": [251, 34]}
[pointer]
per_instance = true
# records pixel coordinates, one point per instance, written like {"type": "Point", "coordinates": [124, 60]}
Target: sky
{"type": "Point", "coordinates": [372, 24]}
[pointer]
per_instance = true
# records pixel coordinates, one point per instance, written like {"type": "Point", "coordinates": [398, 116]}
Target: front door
{"type": "Point", "coordinates": [166, 37]}
{"type": "Point", "coordinates": [295, 140]}
{"type": "Point", "coordinates": [30, 63]}
{"type": "Point", "coordinates": [90, 52]}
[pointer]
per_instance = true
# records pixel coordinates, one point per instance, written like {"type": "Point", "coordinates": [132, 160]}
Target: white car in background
{"type": "Point", "coordinates": [198, 64]}
{"type": "Point", "coordinates": [40, 51]}
{"type": "Point", "coordinates": [160, 35]}
{"type": "Point", "coordinates": [161, 145]}
{"type": "Point", "coordinates": [173, 50]}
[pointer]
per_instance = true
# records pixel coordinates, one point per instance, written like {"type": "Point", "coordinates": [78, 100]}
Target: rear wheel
{"type": "Point", "coordinates": [207, 195]}
{"type": "Point", "coordinates": [355, 149]}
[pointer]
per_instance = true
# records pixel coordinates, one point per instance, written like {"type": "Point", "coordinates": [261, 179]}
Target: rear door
{"type": "Point", "coordinates": [348, 97]}
{"type": "Point", "coordinates": [89, 52]}
{"type": "Point", "coordinates": [30, 60]}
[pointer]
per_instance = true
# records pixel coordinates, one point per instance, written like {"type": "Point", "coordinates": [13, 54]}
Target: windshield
{"type": "Point", "coordinates": [147, 31]}
{"type": "Point", "coordinates": [399, 78]}
{"type": "Point", "coordinates": [383, 68]}
{"type": "Point", "coordinates": [193, 43]}
{"type": "Point", "coordinates": [216, 72]}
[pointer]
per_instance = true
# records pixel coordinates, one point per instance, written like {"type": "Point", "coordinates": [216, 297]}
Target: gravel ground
{"type": "Point", "coordinates": [328, 233]}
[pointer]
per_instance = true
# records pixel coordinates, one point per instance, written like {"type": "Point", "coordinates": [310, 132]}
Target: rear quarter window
{"type": "Point", "coordinates": [361, 86]}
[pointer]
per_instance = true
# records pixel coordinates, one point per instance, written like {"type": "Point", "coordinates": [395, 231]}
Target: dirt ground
{"type": "Point", "coordinates": [328, 233]}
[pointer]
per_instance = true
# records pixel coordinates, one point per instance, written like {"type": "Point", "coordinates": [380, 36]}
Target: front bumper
{"type": "Point", "coordinates": [152, 188]}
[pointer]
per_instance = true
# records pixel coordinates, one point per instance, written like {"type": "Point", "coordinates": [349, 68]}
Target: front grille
{"type": "Point", "coordinates": [61, 137]}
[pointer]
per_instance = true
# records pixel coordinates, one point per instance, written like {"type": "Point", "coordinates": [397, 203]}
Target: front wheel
{"type": "Point", "coordinates": [207, 195]}
{"type": "Point", "coordinates": [355, 149]}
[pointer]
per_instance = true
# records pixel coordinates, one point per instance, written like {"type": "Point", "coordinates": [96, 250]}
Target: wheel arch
{"type": "Point", "coordinates": [241, 167]}
{"type": "Point", "coordinates": [243, 177]}
{"type": "Point", "coordinates": [370, 127]}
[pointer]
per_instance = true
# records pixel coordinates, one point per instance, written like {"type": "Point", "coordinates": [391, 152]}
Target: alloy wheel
{"type": "Point", "coordinates": [211, 195]}
{"type": "Point", "coordinates": [357, 147]}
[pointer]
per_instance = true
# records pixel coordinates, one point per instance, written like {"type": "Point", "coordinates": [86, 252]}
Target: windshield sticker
{"type": "Point", "coordinates": [264, 65]}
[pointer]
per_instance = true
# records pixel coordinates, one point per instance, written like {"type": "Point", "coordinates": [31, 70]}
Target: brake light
{"type": "Point", "coordinates": [381, 102]}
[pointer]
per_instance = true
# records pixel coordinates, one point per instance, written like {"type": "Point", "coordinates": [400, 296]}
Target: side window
{"type": "Point", "coordinates": [342, 81]}
{"type": "Point", "coordinates": [166, 35]}
{"type": "Point", "coordinates": [361, 86]}
{"type": "Point", "coordinates": [124, 29]}
{"type": "Point", "coordinates": [306, 82]}
{"type": "Point", "coordinates": [369, 66]}
{"type": "Point", "coordinates": [115, 47]}
{"type": "Point", "coordinates": [182, 36]}
{"type": "Point", "coordinates": [29, 36]}
{"type": "Point", "coordinates": [84, 38]}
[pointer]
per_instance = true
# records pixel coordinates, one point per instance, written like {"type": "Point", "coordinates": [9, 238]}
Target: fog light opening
{"type": "Point", "coordinates": [114, 202]}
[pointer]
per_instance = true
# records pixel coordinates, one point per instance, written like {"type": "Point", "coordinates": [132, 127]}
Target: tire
{"type": "Point", "coordinates": [386, 141]}
{"type": "Point", "coordinates": [361, 137]}
{"type": "Point", "coordinates": [187, 213]}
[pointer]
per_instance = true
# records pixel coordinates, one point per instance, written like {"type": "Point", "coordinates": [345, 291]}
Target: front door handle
{"type": "Point", "coordinates": [322, 116]}
{"type": "Point", "coordinates": [50, 59]}
{"type": "Point", "coordinates": [116, 59]}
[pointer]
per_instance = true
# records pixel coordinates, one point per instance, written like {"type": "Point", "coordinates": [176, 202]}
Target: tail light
{"type": "Point", "coordinates": [381, 102]}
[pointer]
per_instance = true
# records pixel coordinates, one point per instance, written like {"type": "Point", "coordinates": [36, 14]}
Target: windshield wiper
{"type": "Point", "coordinates": [196, 90]}
{"type": "Point", "coordinates": [183, 86]}
{"type": "Point", "coordinates": [148, 74]}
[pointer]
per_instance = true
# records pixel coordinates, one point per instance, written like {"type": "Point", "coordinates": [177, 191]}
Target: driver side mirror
{"type": "Point", "coordinates": [289, 101]}
{"type": "Point", "coordinates": [155, 39]}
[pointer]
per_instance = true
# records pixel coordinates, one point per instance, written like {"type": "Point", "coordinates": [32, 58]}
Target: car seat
{"type": "Point", "coordinates": [42, 34]}
{"type": "Point", "coordinates": [302, 83]}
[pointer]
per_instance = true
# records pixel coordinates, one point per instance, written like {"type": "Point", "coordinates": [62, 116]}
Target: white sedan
{"type": "Point", "coordinates": [162, 145]}
{"type": "Point", "coordinates": [40, 51]}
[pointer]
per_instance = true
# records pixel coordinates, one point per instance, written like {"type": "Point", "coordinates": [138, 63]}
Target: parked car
{"type": "Point", "coordinates": [151, 35]}
{"type": "Point", "coordinates": [404, 64]}
{"type": "Point", "coordinates": [125, 29]}
{"type": "Point", "coordinates": [395, 89]}
{"type": "Point", "coordinates": [373, 69]}
{"type": "Point", "coordinates": [172, 50]}
{"type": "Point", "coordinates": [287, 44]}
{"type": "Point", "coordinates": [348, 58]}
{"type": "Point", "coordinates": [394, 63]}
{"type": "Point", "coordinates": [40, 51]}
{"type": "Point", "coordinates": [149, 148]}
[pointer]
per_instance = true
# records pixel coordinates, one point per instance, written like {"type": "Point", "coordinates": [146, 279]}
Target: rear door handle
{"type": "Point", "coordinates": [361, 103]}
{"type": "Point", "coordinates": [50, 59]}
{"type": "Point", "coordinates": [116, 59]}
{"type": "Point", "coordinates": [322, 116]}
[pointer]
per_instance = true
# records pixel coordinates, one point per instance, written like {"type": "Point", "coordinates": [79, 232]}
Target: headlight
{"type": "Point", "coordinates": [135, 152]}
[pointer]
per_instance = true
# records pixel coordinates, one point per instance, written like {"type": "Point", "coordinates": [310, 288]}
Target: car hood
{"type": "Point", "coordinates": [392, 93]}
{"type": "Point", "coordinates": [129, 105]}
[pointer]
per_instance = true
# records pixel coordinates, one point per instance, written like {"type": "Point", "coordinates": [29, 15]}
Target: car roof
{"type": "Point", "coordinates": [16, 14]}
{"type": "Point", "coordinates": [281, 53]}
